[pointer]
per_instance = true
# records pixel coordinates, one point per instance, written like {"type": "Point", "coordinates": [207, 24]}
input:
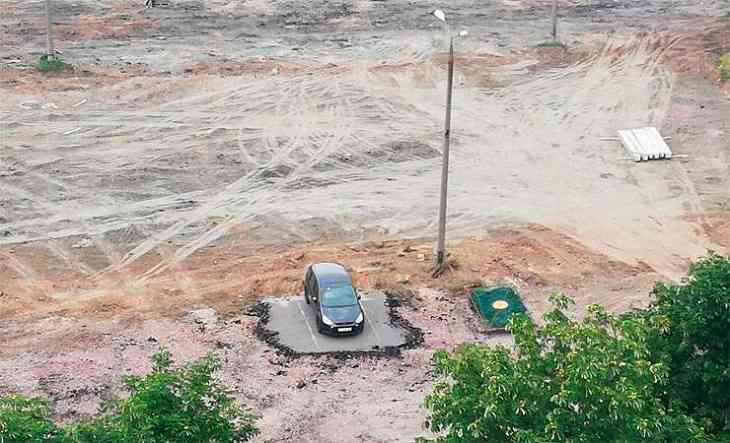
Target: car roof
{"type": "Point", "coordinates": [330, 274]}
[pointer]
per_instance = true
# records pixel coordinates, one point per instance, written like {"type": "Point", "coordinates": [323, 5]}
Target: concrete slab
{"type": "Point", "coordinates": [644, 144]}
{"type": "Point", "coordinates": [295, 322]}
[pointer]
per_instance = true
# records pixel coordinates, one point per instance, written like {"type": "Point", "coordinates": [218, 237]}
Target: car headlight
{"type": "Point", "coordinates": [360, 318]}
{"type": "Point", "coordinates": [327, 321]}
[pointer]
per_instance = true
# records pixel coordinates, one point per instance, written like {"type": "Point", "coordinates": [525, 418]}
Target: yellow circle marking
{"type": "Point", "coordinates": [500, 304]}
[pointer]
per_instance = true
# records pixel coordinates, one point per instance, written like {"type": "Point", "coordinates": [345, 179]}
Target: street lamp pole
{"type": "Point", "coordinates": [554, 15]}
{"type": "Point", "coordinates": [49, 32]}
{"type": "Point", "coordinates": [441, 242]}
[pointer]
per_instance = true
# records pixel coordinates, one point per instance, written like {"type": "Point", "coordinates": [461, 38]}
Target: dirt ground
{"type": "Point", "coordinates": [201, 154]}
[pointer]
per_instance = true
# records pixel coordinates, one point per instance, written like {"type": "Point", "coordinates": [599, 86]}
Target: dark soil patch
{"type": "Point", "coordinates": [401, 151]}
{"type": "Point", "coordinates": [317, 14]}
{"type": "Point", "coordinates": [262, 310]}
{"type": "Point", "coordinates": [394, 300]}
{"type": "Point", "coordinates": [275, 172]}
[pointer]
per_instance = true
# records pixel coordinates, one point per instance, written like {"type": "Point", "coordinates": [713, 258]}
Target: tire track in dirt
{"type": "Point", "coordinates": [21, 269]}
{"type": "Point", "coordinates": [222, 199]}
{"type": "Point", "coordinates": [60, 211]}
{"type": "Point", "coordinates": [333, 137]}
{"type": "Point", "coordinates": [221, 229]}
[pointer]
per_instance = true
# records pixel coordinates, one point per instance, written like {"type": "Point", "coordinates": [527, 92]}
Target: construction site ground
{"type": "Point", "coordinates": [201, 154]}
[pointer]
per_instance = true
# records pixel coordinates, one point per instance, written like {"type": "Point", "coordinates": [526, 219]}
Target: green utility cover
{"type": "Point", "coordinates": [497, 304]}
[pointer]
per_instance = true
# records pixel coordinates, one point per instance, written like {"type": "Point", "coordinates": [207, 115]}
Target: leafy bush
{"type": "Point", "coordinates": [25, 420]}
{"type": "Point", "coordinates": [167, 405]}
{"type": "Point", "coordinates": [52, 63]}
{"type": "Point", "coordinates": [185, 404]}
{"type": "Point", "coordinates": [691, 331]}
{"type": "Point", "coordinates": [724, 67]}
{"type": "Point", "coordinates": [568, 381]}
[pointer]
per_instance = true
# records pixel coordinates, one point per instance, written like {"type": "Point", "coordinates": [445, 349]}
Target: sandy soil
{"type": "Point", "coordinates": [79, 348]}
{"type": "Point", "coordinates": [203, 153]}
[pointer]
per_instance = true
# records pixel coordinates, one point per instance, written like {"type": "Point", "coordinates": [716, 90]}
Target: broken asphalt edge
{"type": "Point", "coordinates": [393, 300]}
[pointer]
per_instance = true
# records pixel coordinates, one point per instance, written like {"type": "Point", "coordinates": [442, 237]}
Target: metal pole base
{"type": "Point", "coordinates": [440, 258]}
{"type": "Point", "coordinates": [440, 266]}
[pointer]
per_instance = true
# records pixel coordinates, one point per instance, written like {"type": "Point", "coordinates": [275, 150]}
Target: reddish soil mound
{"type": "Point", "coordinates": [31, 81]}
{"type": "Point", "coordinates": [119, 23]}
{"type": "Point", "coordinates": [259, 65]}
{"type": "Point", "coordinates": [699, 50]}
{"type": "Point", "coordinates": [553, 57]}
{"type": "Point", "coordinates": [533, 255]}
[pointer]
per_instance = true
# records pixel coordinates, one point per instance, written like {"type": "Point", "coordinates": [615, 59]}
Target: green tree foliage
{"type": "Point", "coordinates": [567, 381]}
{"type": "Point", "coordinates": [691, 332]}
{"type": "Point", "coordinates": [24, 420]}
{"type": "Point", "coordinates": [185, 404]}
{"type": "Point", "coordinates": [723, 65]}
{"type": "Point", "coordinates": [169, 404]}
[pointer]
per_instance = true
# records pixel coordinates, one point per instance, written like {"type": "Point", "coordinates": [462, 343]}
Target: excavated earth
{"type": "Point", "coordinates": [201, 154]}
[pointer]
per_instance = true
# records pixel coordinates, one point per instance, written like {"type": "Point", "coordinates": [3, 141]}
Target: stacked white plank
{"type": "Point", "coordinates": [644, 144]}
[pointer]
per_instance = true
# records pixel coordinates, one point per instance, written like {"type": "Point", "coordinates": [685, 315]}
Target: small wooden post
{"type": "Point", "coordinates": [49, 37]}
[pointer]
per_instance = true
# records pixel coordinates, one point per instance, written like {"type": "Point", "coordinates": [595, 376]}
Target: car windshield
{"type": "Point", "coordinates": [339, 296]}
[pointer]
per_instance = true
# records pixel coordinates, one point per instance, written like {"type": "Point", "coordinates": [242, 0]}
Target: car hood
{"type": "Point", "coordinates": [342, 314]}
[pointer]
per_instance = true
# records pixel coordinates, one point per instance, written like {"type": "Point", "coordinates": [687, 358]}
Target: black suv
{"type": "Point", "coordinates": [329, 290]}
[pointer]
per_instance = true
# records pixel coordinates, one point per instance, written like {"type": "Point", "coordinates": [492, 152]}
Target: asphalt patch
{"type": "Point", "coordinates": [392, 332]}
